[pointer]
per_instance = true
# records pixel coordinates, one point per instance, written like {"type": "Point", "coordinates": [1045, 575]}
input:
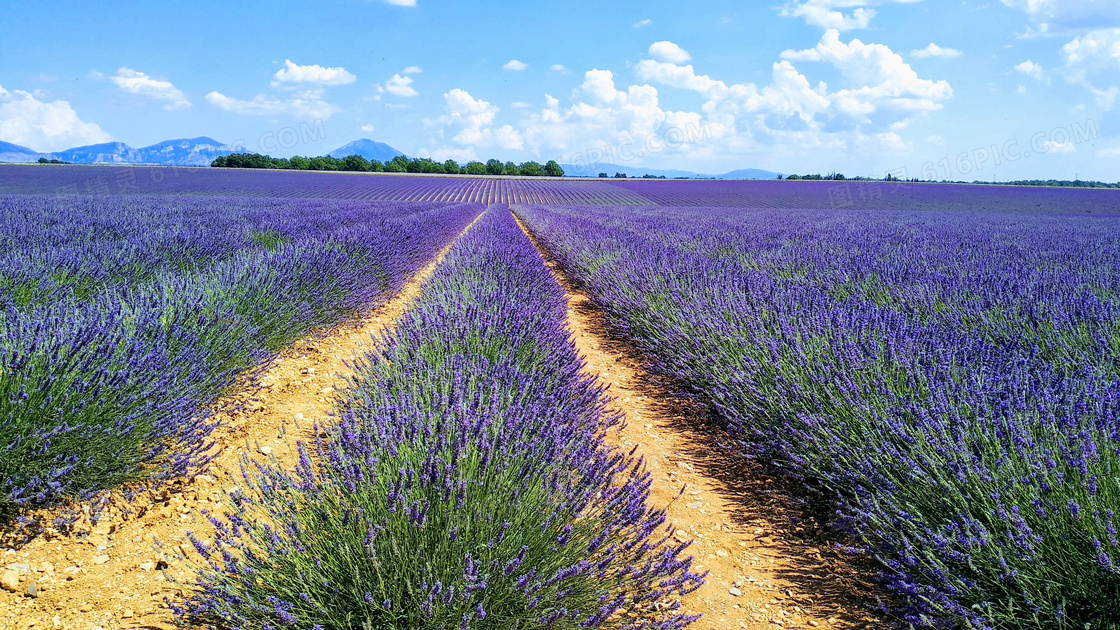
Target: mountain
{"type": "Point", "coordinates": [749, 173]}
{"type": "Point", "coordinates": [14, 153]}
{"type": "Point", "coordinates": [572, 170]}
{"type": "Point", "coordinates": [184, 152]}
{"type": "Point", "coordinates": [109, 152]}
{"type": "Point", "coordinates": [199, 151]}
{"type": "Point", "coordinates": [368, 149]}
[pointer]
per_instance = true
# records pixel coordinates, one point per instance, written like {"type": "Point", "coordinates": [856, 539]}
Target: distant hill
{"type": "Point", "coordinates": [183, 152]}
{"type": "Point", "coordinates": [572, 170]}
{"type": "Point", "coordinates": [14, 153]}
{"type": "Point", "coordinates": [749, 173]}
{"type": "Point", "coordinates": [199, 151]}
{"type": "Point", "coordinates": [107, 153]}
{"type": "Point", "coordinates": [368, 149]}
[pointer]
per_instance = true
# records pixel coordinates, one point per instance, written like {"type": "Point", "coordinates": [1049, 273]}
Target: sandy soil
{"type": "Point", "coordinates": [769, 565]}
{"type": "Point", "coordinates": [116, 573]}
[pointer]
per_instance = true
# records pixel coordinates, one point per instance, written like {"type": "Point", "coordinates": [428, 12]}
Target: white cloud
{"type": "Point", "coordinates": [1051, 16]}
{"type": "Point", "coordinates": [412, 70]}
{"type": "Point", "coordinates": [138, 83]}
{"type": "Point", "coordinates": [515, 65]}
{"type": "Point", "coordinates": [316, 74]}
{"type": "Point", "coordinates": [398, 85]}
{"type": "Point", "coordinates": [668, 52]}
{"type": "Point", "coordinates": [877, 75]}
{"type": "Point", "coordinates": [1096, 50]}
{"type": "Point", "coordinates": [472, 119]}
{"type": "Point", "coordinates": [1109, 153]}
{"type": "Point", "coordinates": [1030, 68]}
{"type": "Point", "coordinates": [556, 67]}
{"type": "Point", "coordinates": [829, 14]}
{"type": "Point", "coordinates": [462, 155]}
{"type": "Point", "coordinates": [367, 128]}
{"type": "Point", "coordinates": [933, 50]}
{"type": "Point", "coordinates": [643, 23]}
{"type": "Point", "coordinates": [401, 3]}
{"type": "Point", "coordinates": [303, 105]}
{"type": "Point", "coordinates": [820, 15]}
{"type": "Point", "coordinates": [878, 97]}
{"type": "Point", "coordinates": [1051, 147]}
{"type": "Point", "coordinates": [1092, 58]}
{"type": "Point", "coordinates": [520, 105]}
{"type": "Point", "coordinates": [44, 126]}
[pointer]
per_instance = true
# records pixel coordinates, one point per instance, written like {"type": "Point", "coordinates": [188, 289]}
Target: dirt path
{"type": "Point", "coordinates": [765, 571]}
{"type": "Point", "coordinates": [118, 573]}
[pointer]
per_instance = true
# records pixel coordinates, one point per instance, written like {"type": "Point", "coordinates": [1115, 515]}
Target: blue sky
{"type": "Point", "coordinates": [999, 89]}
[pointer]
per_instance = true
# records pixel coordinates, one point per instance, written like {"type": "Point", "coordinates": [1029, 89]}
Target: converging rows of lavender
{"type": "Point", "coordinates": [937, 367]}
{"type": "Point", "coordinates": [947, 382]}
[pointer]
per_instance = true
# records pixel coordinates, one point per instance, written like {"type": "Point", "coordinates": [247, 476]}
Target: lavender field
{"type": "Point", "coordinates": [946, 380]}
{"type": "Point", "coordinates": [935, 367]}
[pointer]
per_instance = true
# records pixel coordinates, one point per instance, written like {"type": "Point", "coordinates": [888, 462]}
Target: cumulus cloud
{"type": "Point", "coordinates": [44, 125]}
{"type": "Point", "coordinates": [829, 14]}
{"type": "Point", "coordinates": [1092, 58]}
{"type": "Point", "coordinates": [1096, 50]}
{"type": "Point", "coordinates": [472, 121]}
{"type": "Point", "coordinates": [933, 50]}
{"type": "Point", "coordinates": [134, 82]}
{"type": "Point", "coordinates": [367, 128]}
{"type": "Point", "coordinates": [668, 52]}
{"type": "Point", "coordinates": [556, 67]}
{"type": "Point", "coordinates": [643, 23]}
{"type": "Point", "coordinates": [315, 74]}
{"type": "Point", "coordinates": [1051, 17]}
{"type": "Point", "coordinates": [412, 70]}
{"type": "Point", "coordinates": [608, 119]}
{"type": "Point", "coordinates": [308, 104]}
{"type": "Point", "coordinates": [1030, 68]}
{"type": "Point", "coordinates": [398, 85]}
{"type": "Point", "coordinates": [877, 76]}
{"type": "Point", "coordinates": [515, 65]}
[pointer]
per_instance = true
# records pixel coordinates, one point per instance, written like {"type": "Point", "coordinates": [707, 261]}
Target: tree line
{"type": "Point", "coordinates": [399, 164]}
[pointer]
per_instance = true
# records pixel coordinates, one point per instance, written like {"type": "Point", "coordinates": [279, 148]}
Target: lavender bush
{"type": "Point", "coordinates": [948, 381]}
{"type": "Point", "coordinates": [466, 484]}
{"type": "Point", "coordinates": [120, 319]}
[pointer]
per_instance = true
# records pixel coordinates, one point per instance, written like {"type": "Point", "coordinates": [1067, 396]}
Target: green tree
{"type": "Point", "coordinates": [552, 169]}
{"type": "Point", "coordinates": [376, 166]}
{"type": "Point", "coordinates": [451, 167]}
{"type": "Point", "coordinates": [531, 169]}
{"type": "Point", "coordinates": [355, 163]}
{"type": "Point", "coordinates": [493, 167]}
{"type": "Point", "coordinates": [510, 169]}
{"type": "Point", "coordinates": [399, 164]}
{"type": "Point", "coordinates": [476, 168]}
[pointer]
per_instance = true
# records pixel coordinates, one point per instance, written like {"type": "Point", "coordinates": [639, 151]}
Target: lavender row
{"type": "Point", "coordinates": [948, 382]}
{"type": "Point", "coordinates": [110, 383]}
{"type": "Point", "coordinates": [466, 483]}
{"type": "Point", "coordinates": [58, 249]}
